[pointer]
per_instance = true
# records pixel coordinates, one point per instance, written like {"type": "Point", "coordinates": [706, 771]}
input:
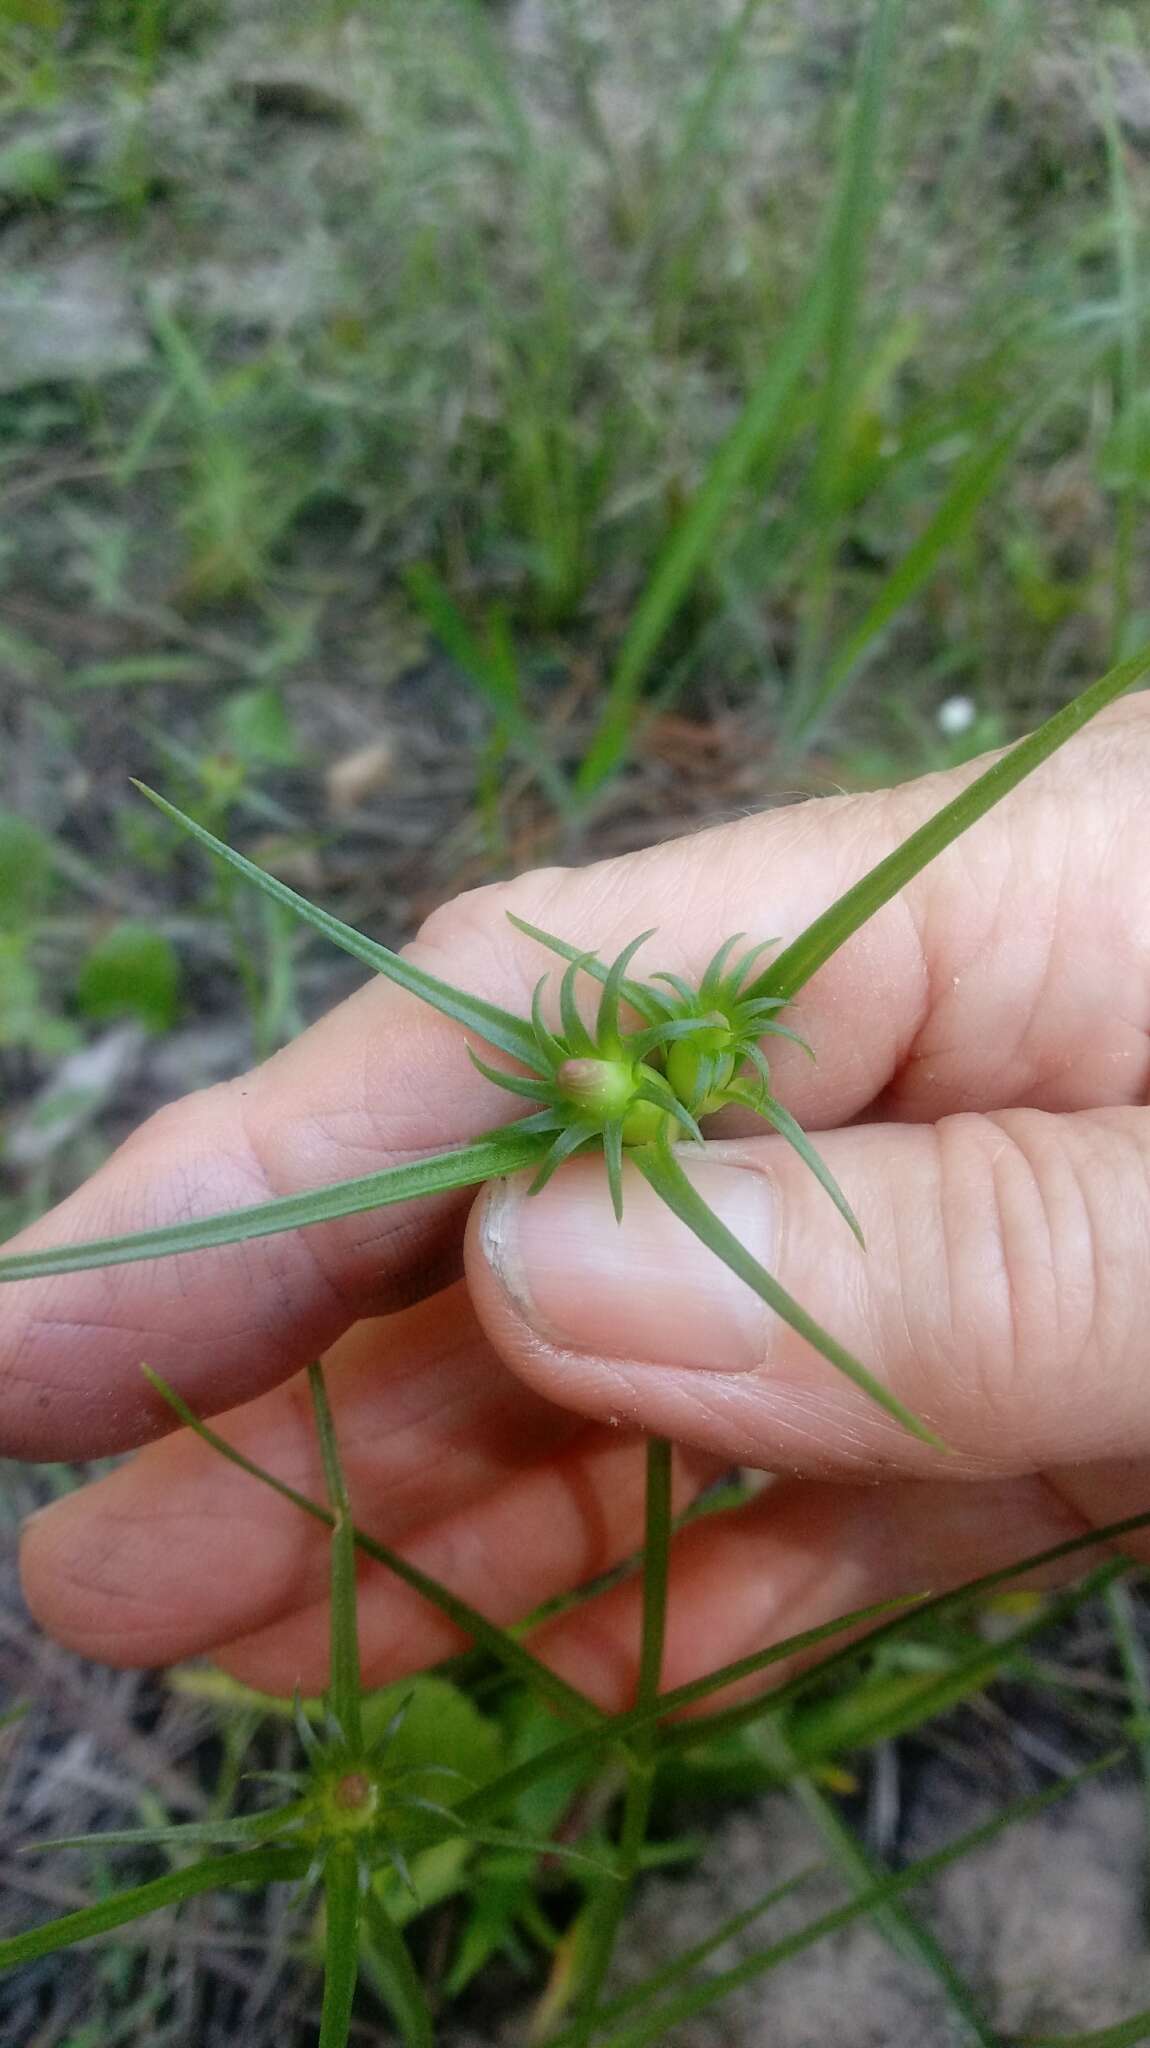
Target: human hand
{"type": "Point", "coordinates": [982, 1061]}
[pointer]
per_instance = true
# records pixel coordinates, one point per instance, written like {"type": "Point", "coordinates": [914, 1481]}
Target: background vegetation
{"type": "Point", "coordinates": [438, 437]}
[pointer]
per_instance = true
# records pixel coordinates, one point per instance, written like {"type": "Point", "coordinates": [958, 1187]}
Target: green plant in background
{"type": "Point", "coordinates": [818, 424]}
{"type": "Point", "coordinates": [634, 1092]}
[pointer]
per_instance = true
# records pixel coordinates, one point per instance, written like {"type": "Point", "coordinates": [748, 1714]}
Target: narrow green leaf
{"type": "Point", "coordinates": [193, 1834]}
{"type": "Point", "coordinates": [496, 1641]}
{"type": "Point", "coordinates": [769, 1107]}
{"type": "Point", "coordinates": [344, 1685]}
{"type": "Point", "coordinates": [503, 1152]}
{"type": "Point", "coordinates": [692, 543]}
{"type": "Point", "coordinates": [607, 1023]}
{"type": "Point", "coordinates": [657, 2026]}
{"type": "Point", "coordinates": [907, 1711]}
{"type": "Point", "coordinates": [806, 954]}
{"type": "Point", "coordinates": [489, 1837]}
{"type": "Point", "coordinates": [855, 210]}
{"type": "Point", "coordinates": [546, 1038]}
{"type": "Point", "coordinates": [516, 1084]}
{"type": "Point", "coordinates": [252, 1866]}
{"type": "Point", "coordinates": [611, 1729]}
{"type": "Point", "coordinates": [340, 1945]}
{"type": "Point", "coordinates": [893, 1618]}
{"type": "Point", "coordinates": [641, 998]}
{"type": "Point", "coordinates": [613, 1160]}
{"type": "Point", "coordinates": [967, 1675]}
{"type": "Point", "coordinates": [578, 1037]}
{"type": "Point", "coordinates": [659, 1092]}
{"type": "Point", "coordinates": [689, 1960]}
{"type": "Point", "coordinates": [659, 1035]}
{"type": "Point", "coordinates": [565, 1147]}
{"type": "Point", "coordinates": [499, 1027]}
{"type": "Point", "coordinates": [662, 1170]}
{"type": "Point", "coordinates": [907, 1934]}
{"type": "Point", "coordinates": [405, 1992]}
{"type": "Point", "coordinates": [698, 130]}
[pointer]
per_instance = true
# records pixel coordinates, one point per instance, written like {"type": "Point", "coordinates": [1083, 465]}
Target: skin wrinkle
{"type": "Point", "coordinates": [344, 1298]}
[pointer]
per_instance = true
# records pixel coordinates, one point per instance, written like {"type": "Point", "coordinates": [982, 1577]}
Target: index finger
{"type": "Point", "coordinates": [1008, 972]}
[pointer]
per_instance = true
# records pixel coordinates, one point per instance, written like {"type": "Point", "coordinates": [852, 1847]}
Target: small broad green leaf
{"type": "Point", "coordinates": [25, 871]}
{"type": "Point", "coordinates": [487, 1158]}
{"type": "Point", "coordinates": [499, 1027]}
{"type": "Point", "coordinates": [250, 1866]}
{"type": "Point", "coordinates": [133, 971]}
{"type": "Point", "coordinates": [341, 1891]}
{"type": "Point", "coordinates": [438, 1720]}
{"type": "Point", "coordinates": [256, 727]}
{"type": "Point", "coordinates": [662, 1170]}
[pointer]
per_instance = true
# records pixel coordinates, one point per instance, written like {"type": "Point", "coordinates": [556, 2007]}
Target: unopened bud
{"type": "Point", "coordinates": [601, 1087]}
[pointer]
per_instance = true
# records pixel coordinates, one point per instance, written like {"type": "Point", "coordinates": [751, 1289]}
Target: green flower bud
{"type": "Point", "coordinates": [601, 1088]}
{"type": "Point", "coordinates": [685, 1059]}
{"type": "Point", "coordinates": [349, 1803]}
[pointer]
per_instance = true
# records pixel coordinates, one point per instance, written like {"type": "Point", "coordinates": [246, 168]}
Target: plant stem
{"type": "Point", "coordinates": [610, 1906]}
{"type": "Point", "coordinates": [487, 1635]}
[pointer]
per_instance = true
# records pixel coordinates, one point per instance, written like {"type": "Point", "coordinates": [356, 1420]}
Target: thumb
{"type": "Point", "coordinates": [1004, 1295]}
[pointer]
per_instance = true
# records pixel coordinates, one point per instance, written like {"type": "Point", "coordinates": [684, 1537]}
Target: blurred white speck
{"type": "Point", "coordinates": [955, 715]}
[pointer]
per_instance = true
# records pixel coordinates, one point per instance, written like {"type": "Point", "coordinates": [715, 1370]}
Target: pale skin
{"type": "Point", "coordinates": [983, 1065]}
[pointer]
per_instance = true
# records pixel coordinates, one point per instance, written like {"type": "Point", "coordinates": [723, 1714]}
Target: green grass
{"type": "Point", "coordinates": [686, 414]}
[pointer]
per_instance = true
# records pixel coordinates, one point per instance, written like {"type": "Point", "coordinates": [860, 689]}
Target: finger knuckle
{"type": "Point", "coordinates": [1027, 1199]}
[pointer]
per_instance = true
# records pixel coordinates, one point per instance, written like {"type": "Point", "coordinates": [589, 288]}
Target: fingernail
{"type": "Point", "coordinates": [642, 1289]}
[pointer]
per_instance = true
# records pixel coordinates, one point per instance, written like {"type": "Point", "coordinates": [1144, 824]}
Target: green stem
{"type": "Point", "coordinates": [344, 1685]}
{"type": "Point", "coordinates": [486, 1634]}
{"type": "Point", "coordinates": [252, 1866]}
{"type": "Point", "coordinates": [341, 1944]}
{"type": "Point", "coordinates": [641, 1751]}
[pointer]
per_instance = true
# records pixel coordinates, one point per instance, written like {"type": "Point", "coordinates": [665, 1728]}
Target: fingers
{"type": "Point", "coordinates": [1011, 970]}
{"type": "Point", "coordinates": [178, 1550]}
{"type": "Point", "coordinates": [556, 1526]}
{"type": "Point", "coordinates": [1004, 1296]}
{"type": "Point", "coordinates": [799, 1556]}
